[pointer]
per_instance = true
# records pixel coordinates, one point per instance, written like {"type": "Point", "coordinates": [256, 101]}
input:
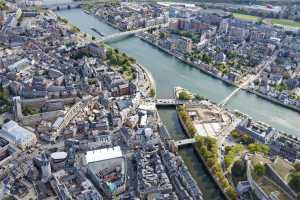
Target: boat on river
{"type": "Point", "coordinates": [96, 31]}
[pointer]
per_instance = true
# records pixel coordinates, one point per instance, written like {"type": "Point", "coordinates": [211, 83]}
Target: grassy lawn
{"type": "Point", "coordinates": [269, 187]}
{"type": "Point", "coordinates": [285, 22]}
{"type": "Point", "coordinates": [279, 22]}
{"type": "Point", "coordinates": [282, 168]}
{"type": "Point", "coordinates": [246, 17]}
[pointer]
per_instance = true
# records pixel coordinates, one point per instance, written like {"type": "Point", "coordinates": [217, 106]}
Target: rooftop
{"type": "Point", "coordinates": [17, 131]}
{"type": "Point", "coordinates": [103, 154]}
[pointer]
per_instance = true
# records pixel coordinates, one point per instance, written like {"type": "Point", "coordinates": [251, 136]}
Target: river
{"type": "Point", "coordinates": [168, 72]}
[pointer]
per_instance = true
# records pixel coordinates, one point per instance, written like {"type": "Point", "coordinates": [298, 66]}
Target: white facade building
{"type": "Point", "coordinates": [18, 135]}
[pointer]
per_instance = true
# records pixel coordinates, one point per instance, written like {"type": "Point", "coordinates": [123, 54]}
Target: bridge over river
{"type": "Point", "coordinates": [132, 32]}
{"type": "Point", "coordinates": [184, 142]}
{"type": "Point", "coordinates": [176, 102]}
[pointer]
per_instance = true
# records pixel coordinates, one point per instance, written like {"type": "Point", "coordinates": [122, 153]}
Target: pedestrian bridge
{"type": "Point", "coordinates": [262, 67]}
{"type": "Point", "coordinates": [184, 142]}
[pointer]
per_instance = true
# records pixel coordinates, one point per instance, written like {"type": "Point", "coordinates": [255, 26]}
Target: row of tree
{"type": "Point", "coordinates": [204, 57]}
{"type": "Point", "coordinates": [208, 148]}
{"type": "Point", "coordinates": [231, 153]}
{"type": "Point", "coordinates": [187, 120]}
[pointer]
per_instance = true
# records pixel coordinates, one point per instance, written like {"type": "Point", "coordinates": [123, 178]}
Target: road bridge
{"type": "Point", "coordinates": [184, 142]}
{"type": "Point", "coordinates": [176, 102]}
{"type": "Point", "coordinates": [132, 32]}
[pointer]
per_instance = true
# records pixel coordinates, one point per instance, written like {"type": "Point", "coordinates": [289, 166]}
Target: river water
{"type": "Point", "coordinates": [168, 72]}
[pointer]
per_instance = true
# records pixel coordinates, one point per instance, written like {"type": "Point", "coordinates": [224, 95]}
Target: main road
{"type": "Point", "coordinates": [169, 72]}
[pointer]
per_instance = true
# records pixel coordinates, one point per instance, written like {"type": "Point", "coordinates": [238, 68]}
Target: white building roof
{"type": "Point", "coordinates": [18, 64]}
{"type": "Point", "coordinates": [59, 155]}
{"type": "Point", "coordinates": [103, 154]}
{"type": "Point", "coordinates": [16, 132]}
{"type": "Point", "coordinates": [148, 106]}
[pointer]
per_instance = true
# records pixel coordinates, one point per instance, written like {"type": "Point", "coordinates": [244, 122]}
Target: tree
{"type": "Point", "coordinates": [256, 147]}
{"type": "Point", "coordinates": [200, 140]}
{"type": "Point", "coordinates": [109, 53]}
{"type": "Point", "coordinates": [29, 110]}
{"type": "Point", "coordinates": [297, 166]}
{"type": "Point", "coordinates": [224, 182]}
{"type": "Point", "coordinates": [152, 92]}
{"type": "Point", "coordinates": [246, 139]}
{"type": "Point", "coordinates": [183, 95]}
{"type": "Point", "coordinates": [203, 151]}
{"type": "Point", "coordinates": [295, 182]}
{"type": "Point", "coordinates": [228, 159]}
{"type": "Point", "coordinates": [132, 60]}
{"type": "Point", "coordinates": [210, 162]}
{"type": "Point", "coordinates": [239, 168]}
{"type": "Point", "coordinates": [93, 38]}
{"type": "Point", "coordinates": [3, 5]}
{"type": "Point", "coordinates": [223, 68]}
{"type": "Point", "coordinates": [235, 134]}
{"type": "Point", "coordinates": [198, 97]}
{"type": "Point", "coordinates": [231, 193]}
{"type": "Point", "coordinates": [260, 170]}
{"type": "Point", "coordinates": [8, 198]}
{"type": "Point", "coordinates": [162, 35]}
{"type": "Point", "coordinates": [206, 58]}
{"type": "Point", "coordinates": [113, 59]}
{"type": "Point", "coordinates": [281, 87]}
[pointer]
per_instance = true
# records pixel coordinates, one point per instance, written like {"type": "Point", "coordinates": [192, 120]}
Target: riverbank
{"type": "Point", "coordinates": [263, 96]}
{"type": "Point", "coordinates": [198, 154]}
{"type": "Point", "coordinates": [188, 62]}
{"type": "Point", "coordinates": [149, 77]}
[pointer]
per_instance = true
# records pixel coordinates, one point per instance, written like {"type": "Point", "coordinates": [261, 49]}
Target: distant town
{"type": "Point", "coordinates": [82, 120]}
